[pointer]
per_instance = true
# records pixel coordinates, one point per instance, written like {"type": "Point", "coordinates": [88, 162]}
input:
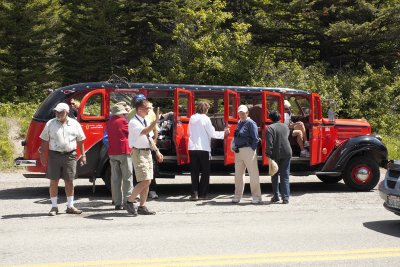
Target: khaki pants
{"type": "Point", "coordinates": [121, 178]}
{"type": "Point", "coordinates": [247, 158]}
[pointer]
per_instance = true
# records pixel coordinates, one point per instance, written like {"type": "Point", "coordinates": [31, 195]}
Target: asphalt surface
{"type": "Point", "coordinates": [323, 225]}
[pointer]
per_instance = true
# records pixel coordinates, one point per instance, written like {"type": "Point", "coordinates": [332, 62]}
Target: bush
{"type": "Point", "coordinates": [22, 112]}
{"type": "Point", "coordinates": [6, 147]}
{"type": "Point", "coordinates": [393, 145]}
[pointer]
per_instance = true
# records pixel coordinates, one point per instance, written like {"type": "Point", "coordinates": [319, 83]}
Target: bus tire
{"type": "Point", "coordinates": [361, 174]}
{"type": "Point", "coordinates": [329, 179]}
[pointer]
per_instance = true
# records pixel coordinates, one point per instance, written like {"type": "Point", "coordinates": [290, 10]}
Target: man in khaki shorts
{"type": "Point", "coordinates": [61, 136]}
{"type": "Point", "coordinates": [141, 142]}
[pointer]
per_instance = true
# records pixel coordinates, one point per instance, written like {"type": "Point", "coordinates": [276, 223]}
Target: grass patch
{"type": "Point", "coordinates": [393, 145]}
{"type": "Point", "coordinates": [22, 112]}
{"type": "Point", "coordinates": [6, 147]}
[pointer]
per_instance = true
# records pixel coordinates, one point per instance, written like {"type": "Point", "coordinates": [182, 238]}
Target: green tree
{"type": "Point", "coordinates": [206, 49]}
{"type": "Point", "coordinates": [92, 40]}
{"type": "Point", "coordinates": [28, 45]}
{"type": "Point", "coordinates": [147, 24]}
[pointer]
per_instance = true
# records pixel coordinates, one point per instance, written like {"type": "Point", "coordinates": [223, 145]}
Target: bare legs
{"type": "Point", "coordinates": [299, 131]}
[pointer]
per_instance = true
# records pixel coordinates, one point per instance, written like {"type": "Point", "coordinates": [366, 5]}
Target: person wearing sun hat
{"type": "Point", "coordinates": [119, 154]}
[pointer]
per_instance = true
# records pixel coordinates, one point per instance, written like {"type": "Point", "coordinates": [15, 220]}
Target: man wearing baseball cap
{"type": "Point", "coordinates": [61, 136]}
{"type": "Point", "coordinates": [245, 144]}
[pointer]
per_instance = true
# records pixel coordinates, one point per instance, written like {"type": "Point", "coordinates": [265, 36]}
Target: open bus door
{"type": "Point", "coordinates": [231, 103]}
{"type": "Point", "coordinates": [316, 131]}
{"type": "Point", "coordinates": [183, 109]}
{"type": "Point", "coordinates": [92, 115]}
{"type": "Point", "coordinates": [270, 101]}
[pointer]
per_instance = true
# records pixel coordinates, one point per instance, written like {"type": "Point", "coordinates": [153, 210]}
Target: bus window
{"type": "Point", "coordinates": [183, 105]}
{"type": "Point", "coordinates": [94, 106]}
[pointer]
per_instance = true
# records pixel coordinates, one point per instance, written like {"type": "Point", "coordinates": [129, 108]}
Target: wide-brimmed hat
{"type": "Point", "coordinates": [273, 167]}
{"type": "Point", "coordinates": [243, 108]}
{"type": "Point", "coordinates": [61, 107]}
{"type": "Point", "coordinates": [123, 103]}
{"type": "Point", "coordinates": [118, 110]}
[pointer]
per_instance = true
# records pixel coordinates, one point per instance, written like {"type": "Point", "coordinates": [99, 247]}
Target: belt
{"type": "Point", "coordinates": [63, 152]}
{"type": "Point", "coordinates": [145, 149]}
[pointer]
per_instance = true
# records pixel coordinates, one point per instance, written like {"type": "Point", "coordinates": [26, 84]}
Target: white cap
{"type": "Point", "coordinates": [243, 108]}
{"type": "Point", "coordinates": [62, 106]}
{"type": "Point", "coordinates": [286, 104]}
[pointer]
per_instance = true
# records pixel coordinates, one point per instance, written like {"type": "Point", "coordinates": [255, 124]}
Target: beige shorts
{"type": "Point", "coordinates": [142, 164]}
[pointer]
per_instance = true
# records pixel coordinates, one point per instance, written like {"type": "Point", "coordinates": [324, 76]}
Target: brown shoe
{"type": "Point", "coordinates": [73, 210]}
{"type": "Point", "coordinates": [143, 210]}
{"type": "Point", "coordinates": [53, 211]}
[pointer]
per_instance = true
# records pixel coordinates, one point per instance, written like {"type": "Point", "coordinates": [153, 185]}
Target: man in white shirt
{"type": "Point", "coordinates": [61, 136]}
{"type": "Point", "coordinates": [141, 142]}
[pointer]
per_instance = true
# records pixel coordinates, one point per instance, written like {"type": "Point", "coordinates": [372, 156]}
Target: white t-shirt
{"type": "Point", "coordinates": [287, 118]}
{"type": "Point", "coordinates": [201, 131]}
{"type": "Point", "coordinates": [135, 138]}
{"type": "Point", "coordinates": [62, 137]}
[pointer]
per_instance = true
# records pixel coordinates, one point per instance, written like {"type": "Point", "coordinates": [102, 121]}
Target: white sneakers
{"type": "Point", "coordinates": [256, 201]}
{"type": "Point", "coordinates": [235, 200]}
{"type": "Point", "coordinates": [153, 195]}
{"type": "Point", "coordinates": [305, 154]}
{"type": "Point", "coordinates": [253, 201]}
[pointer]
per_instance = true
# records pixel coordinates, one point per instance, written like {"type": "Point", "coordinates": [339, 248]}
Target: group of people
{"type": "Point", "coordinates": [131, 149]}
{"type": "Point", "coordinates": [244, 144]}
{"type": "Point", "coordinates": [133, 153]}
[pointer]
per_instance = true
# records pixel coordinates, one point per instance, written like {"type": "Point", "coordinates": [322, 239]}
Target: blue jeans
{"type": "Point", "coordinates": [284, 186]}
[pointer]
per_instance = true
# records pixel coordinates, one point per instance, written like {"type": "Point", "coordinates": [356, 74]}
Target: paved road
{"type": "Point", "coordinates": [324, 225]}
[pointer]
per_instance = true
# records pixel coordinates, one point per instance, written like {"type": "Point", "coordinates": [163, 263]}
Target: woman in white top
{"type": "Point", "coordinates": [200, 133]}
{"type": "Point", "coordinates": [297, 130]}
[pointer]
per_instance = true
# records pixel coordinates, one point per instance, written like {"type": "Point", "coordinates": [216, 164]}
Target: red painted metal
{"type": "Point", "coordinates": [231, 103]}
{"type": "Point", "coordinates": [181, 123]}
{"type": "Point", "coordinates": [33, 142]}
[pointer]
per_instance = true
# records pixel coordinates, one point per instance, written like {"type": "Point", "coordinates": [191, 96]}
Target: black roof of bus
{"type": "Point", "coordinates": [193, 87]}
{"type": "Point", "coordinates": [44, 112]}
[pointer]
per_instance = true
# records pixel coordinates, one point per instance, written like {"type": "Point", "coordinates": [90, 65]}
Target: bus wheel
{"type": "Point", "coordinates": [107, 178]}
{"type": "Point", "coordinates": [361, 174]}
{"type": "Point", "coordinates": [329, 179]}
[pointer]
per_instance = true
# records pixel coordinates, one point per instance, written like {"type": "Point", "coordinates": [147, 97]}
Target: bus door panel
{"type": "Point", "coordinates": [316, 130]}
{"type": "Point", "coordinates": [183, 109]}
{"type": "Point", "coordinates": [92, 115]}
{"type": "Point", "coordinates": [231, 103]}
{"type": "Point", "coordinates": [270, 101]}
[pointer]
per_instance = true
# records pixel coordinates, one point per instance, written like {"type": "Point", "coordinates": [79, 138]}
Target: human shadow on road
{"type": "Point", "coordinates": [81, 191]}
{"type": "Point", "coordinates": [108, 216]}
{"type": "Point", "coordinates": [387, 227]}
{"type": "Point", "coordinates": [167, 192]}
{"type": "Point", "coordinates": [26, 215]}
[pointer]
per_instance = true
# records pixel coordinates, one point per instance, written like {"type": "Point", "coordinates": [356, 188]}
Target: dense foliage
{"type": "Point", "coordinates": [346, 50]}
